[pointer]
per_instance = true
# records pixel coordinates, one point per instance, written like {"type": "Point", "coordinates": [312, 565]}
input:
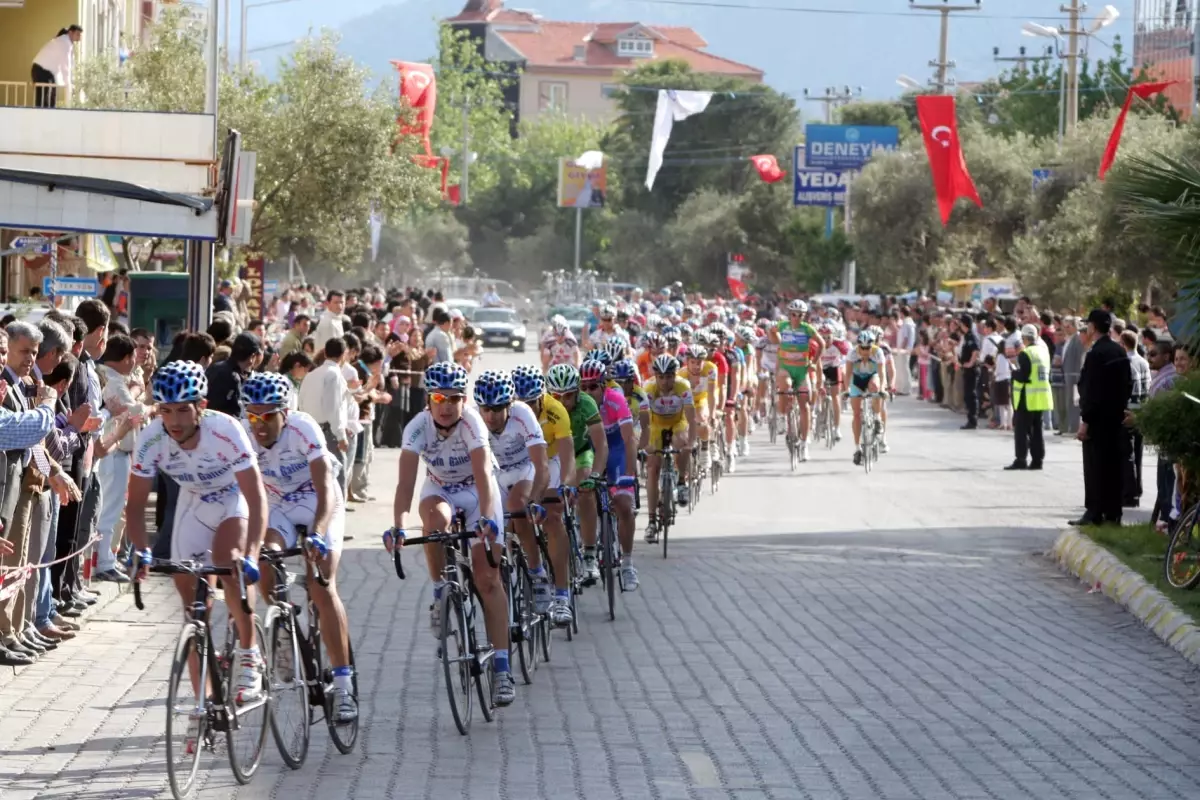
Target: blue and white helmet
{"type": "Point", "coordinates": [446, 376]}
{"type": "Point", "coordinates": [266, 389]}
{"type": "Point", "coordinates": [624, 370]}
{"type": "Point", "coordinates": [865, 338]}
{"type": "Point", "coordinates": [494, 388]}
{"type": "Point", "coordinates": [615, 347]}
{"type": "Point", "coordinates": [179, 382]}
{"type": "Point", "coordinates": [528, 381]}
{"type": "Point", "coordinates": [598, 354]}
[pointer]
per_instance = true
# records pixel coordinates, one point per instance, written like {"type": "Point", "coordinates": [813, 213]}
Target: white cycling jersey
{"type": "Point", "coordinates": [561, 351]}
{"type": "Point", "coordinates": [223, 450]}
{"type": "Point", "coordinates": [835, 352]}
{"type": "Point", "coordinates": [285, 465]}
{"type": "Point", "coordinates": [522, 431]}
{"type": "Point", "coordinates": [447, 460]}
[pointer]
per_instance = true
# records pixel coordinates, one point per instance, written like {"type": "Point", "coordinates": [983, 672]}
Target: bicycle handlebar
{"type": "Point", "coordinates": [300, 550]}
{"type": "Point", "coordinates": [438, 537]}
{"type": "Point", "coordinates": [193, 568]}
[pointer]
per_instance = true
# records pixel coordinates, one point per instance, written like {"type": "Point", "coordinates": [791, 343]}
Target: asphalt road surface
{"type": "Point", "coordinates": [824, 634]}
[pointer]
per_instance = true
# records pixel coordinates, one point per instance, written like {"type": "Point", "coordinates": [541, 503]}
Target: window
{"type": "Point", "coordinates": [610, 90]}
{"type": "Point", "coordinates": [552, 96]}
{"type": "Point", "coordinates": [634, 48]}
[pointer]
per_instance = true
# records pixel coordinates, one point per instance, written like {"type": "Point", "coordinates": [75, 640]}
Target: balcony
{"type": "Point", "coordinates": [23, 94]}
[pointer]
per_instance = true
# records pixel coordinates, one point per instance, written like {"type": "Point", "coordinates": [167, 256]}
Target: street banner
{"type": "Point", "coordinates": [579, 187]}
{"type": "Point", "coordinates": [252, 274]}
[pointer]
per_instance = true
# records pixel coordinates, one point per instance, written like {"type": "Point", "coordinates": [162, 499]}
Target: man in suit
{"type": "Point", "coordinates": [1104, 386]}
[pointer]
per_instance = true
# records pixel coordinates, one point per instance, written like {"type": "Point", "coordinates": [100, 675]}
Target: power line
{"type": "Point", "coordinates": [848, 12]}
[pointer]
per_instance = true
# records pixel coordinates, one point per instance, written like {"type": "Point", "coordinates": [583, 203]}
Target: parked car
{"type": "Point", "coordinates": [500, 327]}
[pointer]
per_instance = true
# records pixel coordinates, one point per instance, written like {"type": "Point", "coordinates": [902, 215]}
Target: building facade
{"type": "Point", "coordinates": [1164, 44]}
{"type": "Point", "coordinates": [575, 68]}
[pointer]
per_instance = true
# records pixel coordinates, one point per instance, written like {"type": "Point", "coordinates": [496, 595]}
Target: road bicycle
{"type": "Point", "coordinates": [826, 427]}
{"type": "Point", "coordinates": [668, 477]}
{"type": "Point", "coordinates": [872, 431]}
{"type": "Point", "coordinates": [197, 663]}
{"type": "Point", "coordinates": [574, 563]}
{"type": "Point", "coordinates": [299, 675]}
{"type": "Point", "coordinates": [526, 626]}
{"type": "Point", "coordinates": [773, 411]}
{"type": "Point", "coordinates": [697, 475]}
{"type": "Point", "coordinates": [608, 552]}
{"type": "Point", "coordinates": [1181, 566]}
{"type": "Point", "coordinates": [794, 442]}
{"type": "Point", "coordinates": [466, 657]}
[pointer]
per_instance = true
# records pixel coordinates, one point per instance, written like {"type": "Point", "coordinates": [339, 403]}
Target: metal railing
{"type": "Point", "coordinates": [24, 94]}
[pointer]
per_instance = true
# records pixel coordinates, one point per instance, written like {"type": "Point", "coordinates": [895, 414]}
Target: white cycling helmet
{"type": "Point", "coordinates": [797, 306]}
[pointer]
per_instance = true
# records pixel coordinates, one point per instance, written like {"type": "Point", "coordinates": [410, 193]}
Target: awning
{"type": "Point", "coordinates": [129, 191]}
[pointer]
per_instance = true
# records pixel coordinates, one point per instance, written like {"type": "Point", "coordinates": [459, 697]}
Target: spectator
{"type": "Point", "coordinates": [221, 330]}
{"type": "Point", "coordinates": [439, 343]}
{"type": "Point", "coordinates": [200, 348]}
{"type": "Point", "coordinates": [1032, 398]}
{"type": "Point", "coordinates": [1139, 371]}
{"type": "Point", "coordinates": [329, 326]}
{"type": "Point", "coordinates": [122, 397]}
{"type": "Point", "coordinates": [258, 328]}
{"type": "Point", "coordinates": [369, 367]}
{"type": "Point", "coordinates": [968, 361]}
{"type": "Point", "coordinates": [293, 341]}
{"type": "Point", "coordinates": [54, 66]}
{"type": "Point", "coordinates": [1104, 389]}
{"type": "Point", "coordinates": [1162, 360]}
{"type": "Point", "coordinates": [296, 367]}
{"type": "Point", "coordinates": [322, 396]}
{"type": "Point", "coordinates": [223, 301]}
{"type": "Point", "coordinates": [491, 299]}
{"type": "Point", "coordinates": [225, 377]}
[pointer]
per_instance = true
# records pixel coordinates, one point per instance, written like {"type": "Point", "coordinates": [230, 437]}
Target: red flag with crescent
{"type": "Point", "coordinates": [418, 87]}
{"type": "Point", "coordinates": [939, 126]}
{"type": "Point", "coordinates": [768, 168]}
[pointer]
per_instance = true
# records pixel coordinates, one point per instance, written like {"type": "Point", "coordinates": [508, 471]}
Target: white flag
{"type": "Point", "coordinates": [673, 106]}
{"type": "Point", "coordinates": [376, 223]}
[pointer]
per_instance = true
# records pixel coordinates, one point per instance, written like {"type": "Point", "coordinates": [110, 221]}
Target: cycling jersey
{"type": "Point", "coordinates": [521, 431]}
{"type": "Point", "coordinates": [794, 343]}
{"type": "Point", "coordinates": [835, 352]}
{"type": "Point", "coordinates": [447, 460]}
{"type": "Point", "coordinates": [614, 411]}
{"type": "Point", "coordinates": [285, 464]}
{"type": "Point", "coordinates": [636, 400]}
{"type": "Point", "coordinates": [555, 422]}
{"type": "Point", "coordinates": [585, 414]}
{"type": "Point", "coordinates": [863, 368]}
{"type": "Point", "coordinates": [703, 382]}
{"type": "Point", "coordinates": [561, 350]}
{"type": "Point", "coordinates": [666, 408]}
{"type": "Point", "coordinates": [644, 360]}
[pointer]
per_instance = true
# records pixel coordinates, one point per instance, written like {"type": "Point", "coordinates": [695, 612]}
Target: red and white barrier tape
{"type": "Point", "coordinates": [13, 578]}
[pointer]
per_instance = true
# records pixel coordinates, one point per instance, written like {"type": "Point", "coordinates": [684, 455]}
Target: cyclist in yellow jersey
{"type": "Point", "coordinates": [702, 376]}
{"type": "Point", "coordinates": [671, 409]}
{"type": "Point", "coordinates": [560, 447]}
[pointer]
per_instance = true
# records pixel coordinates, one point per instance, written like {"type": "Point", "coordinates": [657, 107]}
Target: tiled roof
{"type": "Point", "coordinates": [552, 45]}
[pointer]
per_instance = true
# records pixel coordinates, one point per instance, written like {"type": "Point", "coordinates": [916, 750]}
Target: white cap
{"type": "Point", "coordinates": [1029, 332]}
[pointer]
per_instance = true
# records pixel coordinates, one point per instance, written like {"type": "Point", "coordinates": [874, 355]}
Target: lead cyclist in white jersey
{"type": "Point", "coordinates": [302, 491]}
{"type": "Point", "coordinates": [221, 514]}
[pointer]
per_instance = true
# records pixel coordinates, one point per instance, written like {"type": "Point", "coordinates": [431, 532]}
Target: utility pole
{"type": "Point", "coordinates": [1022, 60]}
{"type": "Point", "coordinates": [831, 99]}
{"type": "Point", "coordinates": [466, 152]}
{"type": "Point", "coordinates": [942, 63]}
{"type": "Point", "coordinates": [1072, 64]}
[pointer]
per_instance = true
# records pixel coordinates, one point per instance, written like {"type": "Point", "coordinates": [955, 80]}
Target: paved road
{"type": "Point", "coordinates": [826, 635]}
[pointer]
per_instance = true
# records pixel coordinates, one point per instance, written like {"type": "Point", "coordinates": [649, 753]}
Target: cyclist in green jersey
{"type": "Point", "coordinates": [796, 338]}
{"type": "Point", "coordinates": [591, 447]}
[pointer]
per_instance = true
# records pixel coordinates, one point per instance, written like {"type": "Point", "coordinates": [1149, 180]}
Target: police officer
{"type": "Point", "coordinates": [1031, 398]}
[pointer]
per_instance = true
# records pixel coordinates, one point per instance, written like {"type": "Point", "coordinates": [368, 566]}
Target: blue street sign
{"type": "Point", "coordinates": [71, 287]}
{"type": "Point", "coordinates": [847, 147]}
{"type": "Point", "coordinates": [32, 245]}
{"type": "Point", "coordinates": [270, 288]}
{"type": "Point", "coordinates": [1040, 176]}
{"type": "Point", "coordinates": [817, 187]}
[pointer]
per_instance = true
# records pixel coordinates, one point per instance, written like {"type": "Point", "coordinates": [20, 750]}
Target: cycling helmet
{"type": "Point", "coordinates": [624, 370]}
{"type": "Point", "coordinates": [865, 339]}
{"type": "Point", "coordinates": [745, 332]}
{"type": "Point", "coordinates": [560, 327]}
{"type": "Point", "coordinates": [696, 351]}
{"type": "Point", "coordinates": [179, 382]}
{"type": "Point", "coordinates": [592, 370]}
{"type": "Point", "coordinates": [664, 364]}
{"type": "Point", "coordinates": [672, 335]}
{"type": "Point", "coordinates": [266, 389]}
{"type": "Point", "coordinates": [652, 339]}
{"type": "Point", "coordinates": [607, 311]}
{"type": "Point", "coordinates": [562, 378]}
{"type": "Point", "coordinates": [615, 348]}
{"type": "Point", "coordinates": [877, 332]}
{"type": "Point", "coordinates": [529, 383]}
{"type": "Point", "coordinates": [598, 354]}
{"type": "Point", "coordinates": [798, 307]}
{"type": "Point", "coordinates": [558, 319]}
{"type": "Point", "coordinates": [494, 388]}
{"type": "Point", "coordinates": [446, 376]}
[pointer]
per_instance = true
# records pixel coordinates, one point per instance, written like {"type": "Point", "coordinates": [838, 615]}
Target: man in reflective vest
{"type": "Point", "coordinates": [1031, 398]}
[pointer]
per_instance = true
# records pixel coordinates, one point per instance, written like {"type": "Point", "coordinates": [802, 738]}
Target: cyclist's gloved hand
{"type": "Point", "coordinates": [140, 561]}
{"type": "Point", "coordinates": [626, 482]}
{"type": "Point", "coordinates": [568, 492]}
{"type": "Point", "coordinates": [250, 570]}
{"type": "Point", "coordinates": [317, 542]}
{"type": "Point", "coordinates": [393, 538]}
{"type": "Point", "coordinates": [536, 512]}
{"type": "Point", "coordinates": [488, 529]}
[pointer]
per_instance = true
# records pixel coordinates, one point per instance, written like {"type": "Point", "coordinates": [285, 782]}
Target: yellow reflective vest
{"type": "Point", "coordinates": [1037, 390]}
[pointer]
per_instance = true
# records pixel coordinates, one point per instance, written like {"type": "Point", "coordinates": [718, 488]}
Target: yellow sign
{"type": "Point", "coordinates": [581, 188]}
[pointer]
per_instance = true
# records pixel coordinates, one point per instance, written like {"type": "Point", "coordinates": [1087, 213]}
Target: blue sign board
{"type": "Point", "coordinates": [1040, 176]}
{"type": "Point", "coordinates": [847, 147]}
{"type": "Point", "coordinates": [270, 288]}
{"type": "Point", "coordinates": [71, 287]}
{"type": "Point", "coordinates": [32, 245]}
{"type": "Point", "coordinates": [818, 187]}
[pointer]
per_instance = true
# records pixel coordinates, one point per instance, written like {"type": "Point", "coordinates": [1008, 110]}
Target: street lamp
{"type": "Point", "coordinates": [1105, 18]}
{"type": "Point", "coordinates": [906, 82]}
{"type": "Point", "coordinates": [245, 15]}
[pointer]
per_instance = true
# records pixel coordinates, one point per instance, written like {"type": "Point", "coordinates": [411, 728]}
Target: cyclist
{"type": "Point", "coordinates": [671, 409]}
{"type": "Point", "coordinates": [591, 445]}
{"type": "Point", "coordinates": [520, 450]}
{"type": "Point", "coordinates": [221, 513]}
{"type": "Point", "coordinates": [559, 346]}
{"type": "Point", "coordinates": [795, 337]}
{"type": "Point", "coordinates": [625, 377]}
{"type": "Point", "coordinates": [556, 430]}
{"type": "Point", "coordinates": [731, 390]}
{"type": "Point", "coordinates": [607, 328]}
{"type": "Point", "coordinates": [302, 491]}
{"type": "Point", "coordinates": [832, 358]}
{"type": "Point", "coordinates": [864, 374]}
{"type": "Point", "coordinates": [452, 441]}
{"type": "Point", "coordinates": [889, 377]}
{"type": "Point", "coordinates": [702, 376]}
{"type": "Point", "coordinates": [653, 345]}
{"type": "Point", "coordinates": [617, 420]}
{"type": "Point", "coordinates": [768, 353]}
{"type": "Point", "coordinates": [744, 343]}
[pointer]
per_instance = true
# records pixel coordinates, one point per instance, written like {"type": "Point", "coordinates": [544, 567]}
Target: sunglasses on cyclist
{"type": "Point", "coordinates": [262, 419]}
{"type": "Point", "coordinates": [494, 409]}
{"type": "Point", "coordinates": [439, 398]}
{"type": "Point", "coordinates": [561, 395]}
{"type": "Point", "coordinates": [591, 386]}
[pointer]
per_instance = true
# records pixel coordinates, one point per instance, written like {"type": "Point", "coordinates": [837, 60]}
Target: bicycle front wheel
{"type": "Point", "coordinates": [1181, 567]}
{"type": "Point", "coordinates": [247, 735]}
{"type": "Point", "coordinates": [187, 716]}
{"type": "Point", "coordinates": [457, 658]}
{"type": "Point", "coordinates": [291, 723]}
{"type": "Point", "coordinates": [607, 572]}
{"type": "Point", "coordinates": [523, 631]}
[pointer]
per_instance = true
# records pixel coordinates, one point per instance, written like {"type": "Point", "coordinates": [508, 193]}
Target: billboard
{"type": "Point", "coordinates": [252, 274]}
{"type": "Point", "coordinates": [579, 187]}
{"type": "Point", "coordinates": [818, 187]}
{"type": "Point", "coordinates": [847, 147]}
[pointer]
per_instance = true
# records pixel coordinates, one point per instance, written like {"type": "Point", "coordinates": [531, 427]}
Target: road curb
{"type": "Point", "coordinates": [1097, 567]}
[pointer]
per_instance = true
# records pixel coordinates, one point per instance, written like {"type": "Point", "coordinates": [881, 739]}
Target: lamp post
{"type": "Point", "coordinates": [242, 31]}
{"type": "Point", "coordinates": [1069, 85]}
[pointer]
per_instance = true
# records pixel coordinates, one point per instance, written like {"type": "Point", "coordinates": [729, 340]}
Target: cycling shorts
{"type": "Point", "coordinates": [555, 477]}
{"type": "Point", "coordinates": [833, 375]}
{"type": "Point", "coordinates": [464, 497]}
{"type": "Point", "coordinates": [301, 509]}
{"type": "Point", "coordinates": [799, 376]}
{"type": "Point", "coordinates": [678, 430]}
{"type": "Point", "coordinates": [197, 517]}
{"type": "Point", "coordinates": [585, 461]}
{"type": "Point", "coordinates": [616, 467]}
{"type": "Point", "coordinates": [508, 478]}
{"type": "Point", "coordinates": [860, 385]}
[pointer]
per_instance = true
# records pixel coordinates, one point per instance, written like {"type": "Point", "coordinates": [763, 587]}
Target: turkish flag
{"type": "Point", "coordinates": [737, 288]}
{"type": "Point", "coordinates": [939, 125]}
{"type": "Point", "coordinates": [418, 87]}
{"type": "Point", "coordinates": [1142, 90]}
{"type": "Point", "coordinates": [454, 194]}
{"type": "Point", "coordinates": [768, 169]}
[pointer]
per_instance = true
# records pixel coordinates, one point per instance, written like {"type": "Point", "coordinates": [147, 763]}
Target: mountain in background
{"type": "Point", "coordinates": [867, 43]}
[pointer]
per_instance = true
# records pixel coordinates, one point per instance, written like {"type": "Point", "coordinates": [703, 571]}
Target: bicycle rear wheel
{"type": "Point", "coordinates": [247, 734]}
{"type": "Point", "coordinates": [525, 624]}
{"type": "Point", "coordinates": [607, 571]}
{"type": "Point", "coordinates": [457, 657]}
{"type": "Point", "coordinates": [1181, 567]}
{"type": "Point", "coordinates": [666, 506]}
{"type": "Point", "coordinates": [291, 722]}
{"type": "Point", "coordinates": [187, 717]}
